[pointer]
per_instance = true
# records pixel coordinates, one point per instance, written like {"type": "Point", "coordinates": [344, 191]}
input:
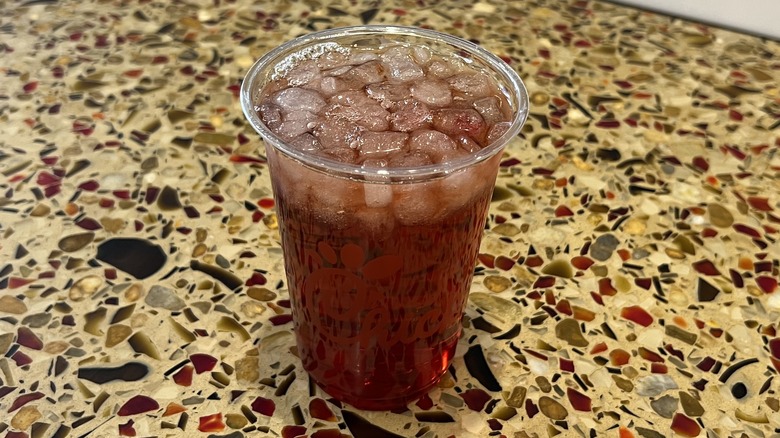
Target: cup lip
{"type": "Point", "coordinates": [271, 59]}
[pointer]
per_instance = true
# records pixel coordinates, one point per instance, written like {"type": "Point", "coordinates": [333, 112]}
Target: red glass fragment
{"type": "Point", "coordinates": [701, 163]}
{"type": "Point", "coordinates": [424, 402]}
{"type": "Point", "coordinates": [759, 203]}
{"type": "Point", "coordinates": [619, 357]}
{"type": "Point", "coordinates": [151, 194]}
{"type": "Point", "coordinates": [597, 298]}
{"type": "Point", "coordinates": [544, 282]}
{"type": "Point", "coordinates": [173, 409]}
{"type": "Point", "coordinates": [566, 365]}
{"type": "Point", "coordinates": [504, 263]}
{"type": "Point", "coordinates": [257, 279]}
{"type": "Point", "coordinates": [648, 355]}
{"type": "Point", "coordinates": [530, 408]}
{"type": "Point", "coordinates": [127, 429]}
{"type": "Point", "coordinates": [637, 315]}
{"type": "Point", "coordinates": [211, 423]}
{"type": "Point", "coordinates": [290, 431]}
{"type": "Point", "coordinates": [89, 224]}
{"type": "Point", "coordinates": [582, 262]}
{"type": "Point", "coordinates": [266, 203]}
{"type": "Point", "coordinates": [709, 232]}
{"type": "Point", "coordinates": [685, 426]}
{"type": "Point", "coordinates": [563, 211]}
{"type": "Point", "coordinates": [658, 368]}
{"type": "Point", "coordinates": [138, 405]}
{"type": "Point", "coordinates": [767, 284]}
{"type": "Point", "coordinates": [475, 399]}
{"type": "Point", "coordinates": [264, 406]}
{"type": "Point", "coordinates": [26, 337]}
{"type": "Point", "coordinates": [644, 283]}
{"type": "Point", "coordinates": [183, 377]}
{"type": "Point", "coordinates": [563, 306]}
{"type": "Point", "coordinates": [750, 231]}
{"type": "Point", "coordinates": [280, 319]}
{"type": "Point", "coordinates": [578, 400]}
{"type": "Point", "coordinates": [203, 362]}
{"type": "Point", "coordinates": [16, 282]}
{"type": "Point", "coordinates": [30, 87]}
{"type": "Point", "coordinates": [706, 364]}
{"type": "Point", "coordinates": [487, 260]}
{"type": "Point", "coordinates": [599, 348]}
{"type": "Point", "coordinates": [706, 267]}
{"type": "Point", "coordinates": [608, 123]}
{"type": "Point", "coordinates": [606, 288]}
{"type": "Point", "coordinates": [318, 408]}
{"type": "Point", "coordinates": [21, 359]}
{"type": "Point", "coordinates": [23, 400]}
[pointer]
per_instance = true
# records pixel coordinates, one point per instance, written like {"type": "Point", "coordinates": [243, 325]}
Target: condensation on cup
{"type": "Point", "coordinates": [383, 144]}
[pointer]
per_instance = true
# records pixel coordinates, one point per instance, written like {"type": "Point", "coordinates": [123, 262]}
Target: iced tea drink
{"type": "Point", "coordinates": [383, 144]}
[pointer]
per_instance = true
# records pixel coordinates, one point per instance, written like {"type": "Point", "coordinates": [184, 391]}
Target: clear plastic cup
{"type": "Point", "coordinates": [379, 261]}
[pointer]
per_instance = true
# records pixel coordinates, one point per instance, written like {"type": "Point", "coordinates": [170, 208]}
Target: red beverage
{"type": "Point", "coordinates": [377, 306]}
{"type": "Point", "coordinates": [384, 151]}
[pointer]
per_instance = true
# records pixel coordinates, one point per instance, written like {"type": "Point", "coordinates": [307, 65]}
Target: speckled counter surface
{"type": "Point", "coordinates": [627, 284]}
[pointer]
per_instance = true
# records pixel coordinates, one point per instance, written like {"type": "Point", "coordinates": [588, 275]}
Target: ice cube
{"type": "Point", "coordinates": [369, 73]}
{"type": "Point", "coordinates": [306, 142]}
{"type": "Point", "coordinates": [357, 107]}
{"type": "Point", "coordinates": [271, 115]}
{"type": "Point", "coordinates": [413, 158]}
{"type": "Point", "coordinates": [332, 59]}
{"type": "Point", "coordinates": [290, 129]}
{"type": "Point", "coordinates": [421, 54]}
{"type": "Point", "coordinates": [297, 99]}
{"type": "Point", "coordinates": [342, 154]}
{"type": "Point", "coordinates": [330, 85]}
{"type": "Point", "coordinates": [410, 115]}
{"type": "Point", "coordinates": [362, 57]}
{"type": "Point", "coordinates": [303, 73]}
{"type": "Point", "coordinates": [497, 131]}
{"type": "Point", "coordinates": [471, 84]}
{"type": "Point", "coordinates": [334, 133]}
{"type": "Point", "coordinates": [416, 203]}
{"type": "Point", "coordinates": [466, 144]}
{"type": "Point", "coordinates": [434, 143]}
{"type": "Point", "coordinates": [377, 194]}
{"type": "Point", "coordinates": [371, 144]}
{"type": "Point", "coordinates": [400, 65]}
{"type": "Point", "coordinates": [441, 69]}
{"type": "Point", "coordinates": [490, 109]}
{"type": "Point", "coordinates": [432, 92]}
{"type": "Point", "coordinates": [333, 199]}
{"type": "Point", "coordinates": [296, 123]}
{"type": "Point", "coordinates": [388, 92]}
{"type": "Point", "coordinates": [338, 71]}
{"type": "Point", "coordinates": [460, 121]}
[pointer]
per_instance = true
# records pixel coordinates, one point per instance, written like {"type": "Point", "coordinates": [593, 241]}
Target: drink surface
{"type": "Point", "coordinates": [379, 273]}
{"type": "Point", "coordinates": [396, 106]}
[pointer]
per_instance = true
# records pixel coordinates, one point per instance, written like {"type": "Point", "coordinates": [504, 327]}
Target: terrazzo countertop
{"type": "Point", "coordinates": [626, 287]}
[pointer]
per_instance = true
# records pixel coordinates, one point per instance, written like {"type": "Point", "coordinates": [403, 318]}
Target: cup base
{"type": "Point", "coordinates": [390, 404]}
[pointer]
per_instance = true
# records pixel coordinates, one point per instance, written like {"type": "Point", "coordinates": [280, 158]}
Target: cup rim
{"type": "Point", "coordinates": [354, 171]}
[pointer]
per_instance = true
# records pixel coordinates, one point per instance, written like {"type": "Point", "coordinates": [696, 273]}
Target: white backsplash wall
{"type": "Point", "coordinates": [759, 17]}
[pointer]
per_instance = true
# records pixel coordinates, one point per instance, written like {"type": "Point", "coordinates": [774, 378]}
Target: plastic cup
{"type": "Point", "coordinates": [379, 261]}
